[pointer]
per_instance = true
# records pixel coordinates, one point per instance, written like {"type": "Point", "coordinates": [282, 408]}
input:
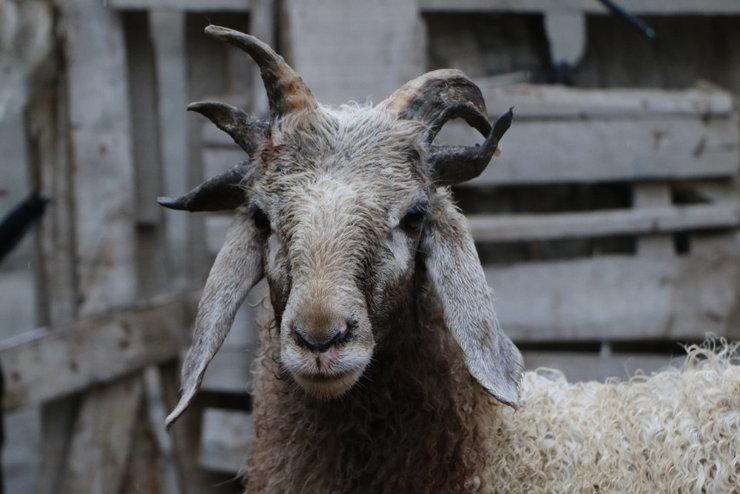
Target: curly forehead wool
{"type": "Point", "coordinates": [351, 143]}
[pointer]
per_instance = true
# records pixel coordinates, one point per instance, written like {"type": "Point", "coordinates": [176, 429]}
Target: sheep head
{"type": "Point", "coordinates": [341, 209]}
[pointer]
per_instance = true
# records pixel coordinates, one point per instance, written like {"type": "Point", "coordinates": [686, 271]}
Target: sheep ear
{"type": "Point", "coordinates": [454, 269]}
{"type": "Point", "coordinates": [238, 267]}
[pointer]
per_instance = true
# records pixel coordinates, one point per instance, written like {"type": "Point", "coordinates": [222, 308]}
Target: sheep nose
{"type": "Point", "coordinates": [319, 342]}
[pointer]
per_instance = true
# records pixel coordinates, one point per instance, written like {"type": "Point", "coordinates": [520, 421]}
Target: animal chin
{"type": "Point", "coordinates": [325, 386]}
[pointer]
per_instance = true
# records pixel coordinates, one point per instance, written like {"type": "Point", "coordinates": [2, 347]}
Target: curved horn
{"type": "Point", "coordinates": [452, 165]}
{"type": "Point", "coordinates": [439, 96]}
{"type": "Point", "coordinates": [286, 91]}
{"type": "Point", "coordinates": [246, 131]}
{"type": "Point", "coordinates": [222, 192]}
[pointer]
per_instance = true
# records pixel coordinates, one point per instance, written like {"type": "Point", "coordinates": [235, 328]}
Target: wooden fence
{"type": "Point", "coordinates": [607, 227]}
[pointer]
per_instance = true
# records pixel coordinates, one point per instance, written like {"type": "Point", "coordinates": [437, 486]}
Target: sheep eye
{"type": "Point", "coordinates": [261, 221]}
{"type": "Point", "coordinates": [414, 219]}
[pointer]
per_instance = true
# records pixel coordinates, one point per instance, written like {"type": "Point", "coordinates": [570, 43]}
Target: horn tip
{"type": "Point", "coordinates": [220, 32]}
{"type": "Point", "coordinates": [200, 106]}
{"type": "Point", "coordinates": [214, 30]}
{"type": "Point", "coordinates": [170, 203]}
{"type": "Point", "coordinates": [230, 35]}
{"type": "Point", "coordinates": [170, 420]}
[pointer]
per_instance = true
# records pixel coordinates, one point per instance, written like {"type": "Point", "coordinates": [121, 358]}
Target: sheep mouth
{"type": "Point", "coordinates": [328, 386]}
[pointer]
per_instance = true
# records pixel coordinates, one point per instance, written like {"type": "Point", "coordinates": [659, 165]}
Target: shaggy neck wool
{"type": "Point", "coordinates": [412, 423]}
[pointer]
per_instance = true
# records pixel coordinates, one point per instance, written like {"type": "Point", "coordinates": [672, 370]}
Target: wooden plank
{"type": "Point", "coordinates": [48, 157]}
{"type": "Point", "coordinates": [230, 371]}
{"type": "Point", "coordinates": [657, 195]}
{"type": "Point", "coordinates": [46, 364]}
{"type": "Point", "coordinates": [144, 110]}
{"type": "Point", "coordinates": [392, 50]}
{"type": "Point", "coordinates": [643, 7]}
{"type": "Point", "coordinates": [555, 226]}
{"type": "Point", "coordinates": [262, 24]}
{"type": "Point", "coordinates": [551, 101]}
{"type": "Point", "coordinates": [206, 75]}
{"type": "Point", "coordinates": [581, 366]}
{"type": "Point", "coordinates": [551, 151]}
{"type": "Point", "coordinates": [167, 29]}
{"type": "Point", "coordinates": [616, 298]}
{"type": "Point", "coordinates": [102, 439]}
{"type": "Point", "coordinates": [187, 5]}
{"type": "Point", "coordinates": [566, 36]}
{"type": "Point", "coordinates": [226, 439]}
{"type": "Point", "coordinates": [216, 226]}
{"type": "Point", "coordinates": [186, 435]}
{"type": "Point", "coordinates": [48, 151]}
{"type": "Point", "coordinates": [151, 260]}
{"type": "Point", "coordinates": [145, 466]}
{"type": "Point", "coordinates": [145, 469]}
{"type": "Point", "coordinates": [103, 169]}
{"type": "Point", "coordinates": [218, 160]}
{"type": "Point", "coordinates": [104, 194]}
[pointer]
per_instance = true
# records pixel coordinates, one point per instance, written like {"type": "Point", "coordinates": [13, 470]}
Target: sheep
{"type": "Point", "coordinates": [383, 367]}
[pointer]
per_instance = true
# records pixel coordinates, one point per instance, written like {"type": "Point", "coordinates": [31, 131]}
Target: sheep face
{"type": "Point", "coordinates": [341, 198]}
{"type": "Point", "coordinates": [337, 207]}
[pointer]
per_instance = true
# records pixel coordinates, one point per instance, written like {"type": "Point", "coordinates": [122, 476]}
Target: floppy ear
{"type": "Point", "coordinates": [238, 267]}
{"type": "Point", "coordinates": [456, 273]}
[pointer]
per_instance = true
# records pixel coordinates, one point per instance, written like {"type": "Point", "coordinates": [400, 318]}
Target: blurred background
{"type": "Point", "coordinates": [608, 227]}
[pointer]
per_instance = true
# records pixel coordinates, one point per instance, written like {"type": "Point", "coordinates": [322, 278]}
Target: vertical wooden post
{"type": "Point", "coordinates": [392, 51]}
{"type": "Point", "coordinates": [103, 183]}
{"type": "Point", "coordinates": [653, 196]}
{"type": "Point", "coordinates": [167, 30]}
{"type": "Point", "coordinates": [151, 261]}
{"type": "Point", "coordinates": [566, 36]}
{"type": "Point", "coordinates": [262, 21]}
{"type": "Point", "coordinates": [147, 131]}
{"type": "Point", "coordinates": [47, 129]}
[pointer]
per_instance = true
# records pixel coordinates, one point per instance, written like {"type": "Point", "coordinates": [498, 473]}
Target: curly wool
{"type": "Point", "coordinates": [674, 431]}
{"type": "Point", "coordinates": [410, 424]}
{"type": "Point", "coordinates": [419, 423]}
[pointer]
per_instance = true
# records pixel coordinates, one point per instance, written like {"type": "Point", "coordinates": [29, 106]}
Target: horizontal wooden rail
{"type": "Point", "coordinates": [189, 5]}
{"type": "Point", "coordinates": [606, 150]}
{"type": "Point", "coordinates": [617, 298]}
{"type": "Point", "coordinates": [642, 7]}
{"type": "Point", "coordinates": [526, 227]}
{"type": "Point", "coordinates": [538, 101]}
{"type": "Point", "coordinates": [45, 364]}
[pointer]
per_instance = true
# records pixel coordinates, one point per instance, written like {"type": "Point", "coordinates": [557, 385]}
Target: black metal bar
{"type": "Point", "coordinates": [16, 223]}
{"type": "Point", "coordinates": [636, 22]}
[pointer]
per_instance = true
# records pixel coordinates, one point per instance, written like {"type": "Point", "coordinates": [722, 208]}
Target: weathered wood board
{"type": "Point", "coordinates": [596, 150]}
{"type": "Point", "coordinates": [672, 135]}
{"type": "Point", "coordinates": [225, 440]}
{"type": "Point", "coordinates": [616, 298]}
{"type": "Point", "coordinates": [111, 440]}
{"type": "Point", "coordinates": [651, 7]}
{"type": "Point", "coordinates": [583, 366]}
{"type": "Point", "coordinates": [536, 101]}
{"type": "Point", "coordinates": [382, 48]}
{"type": "Point", "coordinates": [188, 5]}
{"type": "Point", "coordinates": [47, 364]}
{"type": "Point", "coordinates": [638, 221]}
